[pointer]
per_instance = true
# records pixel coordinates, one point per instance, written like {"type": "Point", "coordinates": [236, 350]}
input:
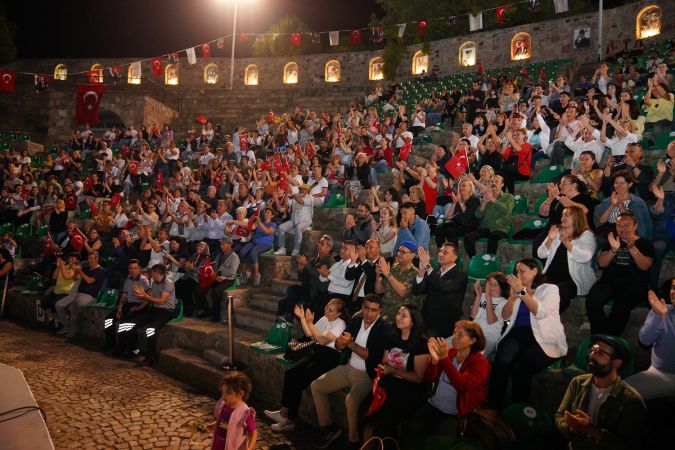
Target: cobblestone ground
{"type": "Point", "coordinates": [96, 402]}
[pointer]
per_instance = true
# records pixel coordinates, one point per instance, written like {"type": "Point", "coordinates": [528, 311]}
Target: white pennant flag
{"type": "Point", "coordinates": [401, 30]}
{"type": "Point", "coordinates": [191, 55]}
{"type": "Point", "coordinates": [334, 37]}
{"type": "Point", "coordinates": [561, 6]}
{"type": "Point", "coordinates": [476, 21]}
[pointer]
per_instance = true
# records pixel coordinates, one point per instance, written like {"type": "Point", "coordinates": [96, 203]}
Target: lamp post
{"type": "Point", "coordinates": [234, 40]}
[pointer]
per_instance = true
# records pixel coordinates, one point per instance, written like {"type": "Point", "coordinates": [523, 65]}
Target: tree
{"type": "Point", "coordinates": [281, 46]}
{"type": "Point", "coordinates": [7, 34]}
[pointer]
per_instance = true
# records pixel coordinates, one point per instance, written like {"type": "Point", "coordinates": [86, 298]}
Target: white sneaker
{"type": "Point", "coordinates": [281, 427]}
{"type": "Point", "coordinates": [294, 253]}
{"type": "Point", "coordinates": [586, 325]}
{"type": "Point", "coordinates": [281, 252]}
{"type": "Point", "coordinates": [276, 416]}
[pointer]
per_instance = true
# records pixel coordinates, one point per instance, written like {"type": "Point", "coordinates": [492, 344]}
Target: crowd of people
{"type": "Point", "coordinates": [158, 219]}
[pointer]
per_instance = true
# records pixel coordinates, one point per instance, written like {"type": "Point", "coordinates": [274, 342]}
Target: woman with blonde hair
{"type": "Point", "coordinates": [386, 230]}
{"type": "Point", "coordinates": [568, 251]}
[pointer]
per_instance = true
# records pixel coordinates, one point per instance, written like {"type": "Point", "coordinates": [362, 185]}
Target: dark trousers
{"type": "Point", "coordinates": [519, 357]}
{"type": "Point", "coordinates": [472, 237]}
{"type": "Point", "coordinates": [510, 178]}
{"type": "Point", "coordinates": [558, 153]}
{"type": "Point", "coordinates": [568, 290]}
{"type": "Point", "coordinates": [49, 300]}
{"type": "Point", "coordinates": [153, 319]}
{"type": "Point", "coordinates": [218, 295]}
{"type": "Point", "coordinates": [626, 296]}
{"type": "Point", "coordinates": [295, 294]}
{"type": "Point", "coordinates": [185, 290]}
{"type": "Point", "coordinates": [429, 420]}
{"type": "Point", "coordinates": [297, 378]}
{"type": "Point", "coordinates": [111, 325]}
{"type": "Point", "coordinates": [449, 232]}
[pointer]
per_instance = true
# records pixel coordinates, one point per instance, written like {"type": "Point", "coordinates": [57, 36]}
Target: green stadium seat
{"type": "Point", "coordinates": [24, 230]}
{"type": "Point", "coordinates": [179, 316]}
{"type": "Point", "coordinates": [481, 265]}
{"type": "Point", "coordinates": [18, 253]}
{"type": "Point", "coordinates": [580, 365]}
{"type": "Point", "coordinates": [106, 300]}
{"type": "Point", "coordinates": [528, 422]}
{"type": "Point", "coordinates": [537, 204]}
{"type": "Point", "coordinates": [521, 204]}
{"type": "Point", "coordinates": [548, 174]}
{"type": "Point", "coordinates": [42, 231]}
{"type": "Point", "coordinates": [6, 227]}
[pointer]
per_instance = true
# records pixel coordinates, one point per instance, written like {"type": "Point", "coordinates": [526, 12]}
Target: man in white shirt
{"type": "Point", "coordinates": [207, 156]}
{"type": "Point", "coordinates": [586, 138]}
{"type": "Point", "coordinates": [318, 185]}
{"type": "Point", "coordinates": [621, 139]}
{"type": "Point", "coordinates": [338, 285]}
{"type": "Point", "coordinates": [366, 337]}
{"type": "Point", "coordinates": [569, 125]}
{"type": "Point", "coordinates": [301, 219]}
{"type": "Point", "coordinates": [467, 133]}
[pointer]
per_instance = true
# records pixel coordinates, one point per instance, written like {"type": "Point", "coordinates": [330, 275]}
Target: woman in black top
{"type": "Point", "coordinates": [461, 217]}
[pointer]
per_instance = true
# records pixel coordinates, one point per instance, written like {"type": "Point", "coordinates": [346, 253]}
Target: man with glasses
{"type": "Point", "coordinates": [394, 281]}
{"type": "Point", "coordinates": [360, 228]}
{"type": "Point", "coordinates": [443, 289]}
{"type": "Point", "coordinates": [600, 410]}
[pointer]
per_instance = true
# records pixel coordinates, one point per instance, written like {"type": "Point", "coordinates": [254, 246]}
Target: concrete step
{"type": "Point", "coordinates": [254, 320]}
{"type": "Point", "coordinates": [189, 367]}
{"type": "Point", "coordinates": [264, 301]}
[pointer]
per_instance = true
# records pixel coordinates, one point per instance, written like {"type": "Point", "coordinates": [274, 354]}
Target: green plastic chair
{"type": "Point", "coordinates": [42, 231]}
{"type": "Point", "coordinates": [548, 174]}
{"type": "Point", "coordinates": [5, 227]}
{"type": "Point", "coordinates": [521, 204]}
{"type": "Point", "coordinates": [580, 365]}
{"type": "Point", "coordinates": [85, 214]}
{"type": "Point", "coordinates": [661, 141]}
{"type": "Point", "coordinates": [24, 230]}
{"type": "Point", "coordinates": [481, 265]}
{"type": "Point", "coordinates": [34, 282]}
{"type": "Point", "coordinates": [179, 316]}
{"type": "Point", "coordinates": [338, 200]}
{"type": "Point", "coordinates": [106, 300]}
{"type": "Point", "coordinates": [537, 224]}
{"type": "Point", "coordinates": [18, 253]}
{"type": "Point", "coordinates": [537, 204]}
{"type": "Point", "coordinates": [527, 422]}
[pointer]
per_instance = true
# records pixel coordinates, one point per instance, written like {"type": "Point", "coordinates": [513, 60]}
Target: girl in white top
{"type": "Point", "coordinates": [385, 231]}
{"type": "Point", "coordinates": [534, 338]}
{"type": "Point", "coordinates": [321, 359]}
{"type": "Point", "coordinates": [487, 306]}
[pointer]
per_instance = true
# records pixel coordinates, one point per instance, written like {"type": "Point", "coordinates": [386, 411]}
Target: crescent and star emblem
{"type": "Point", "coordinates": [6, 78]}
{"type": "Point", "coordinates": [90, 106]}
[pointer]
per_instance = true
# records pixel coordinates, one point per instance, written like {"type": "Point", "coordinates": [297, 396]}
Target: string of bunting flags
{"type": "Point", "coordinates": [355, 37]}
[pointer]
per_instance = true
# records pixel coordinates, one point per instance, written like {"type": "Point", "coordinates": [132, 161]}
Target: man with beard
{"type": "Point", "coordinates": [599, 409]}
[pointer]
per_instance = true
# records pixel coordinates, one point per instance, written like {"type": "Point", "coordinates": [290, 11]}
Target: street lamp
{"type": "Point", "coordinates": [234, 37]}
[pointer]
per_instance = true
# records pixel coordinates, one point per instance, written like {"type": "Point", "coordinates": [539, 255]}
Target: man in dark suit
{"type": "Point", "coordinates": [444, 289]}
{"type": "Point", "coordinates": [362, 272]}
{"type": "Point", "coordinates": [364, 339]}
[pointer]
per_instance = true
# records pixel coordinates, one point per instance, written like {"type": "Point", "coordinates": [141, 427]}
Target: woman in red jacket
{"type": "Point", "coordinates": [517, 157]}
{"type": "Point", "coordinates": [460, 376]}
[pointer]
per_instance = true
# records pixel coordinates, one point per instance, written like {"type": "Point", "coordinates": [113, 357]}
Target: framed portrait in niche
{"type": "Point", "coordinates": [648, 22]}
{"type": "Point", "coordinates": [521, 46]}
{"type": "Point", "coordinates": [582, 37]}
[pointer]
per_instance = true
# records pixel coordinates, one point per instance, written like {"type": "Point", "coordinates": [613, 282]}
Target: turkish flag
{"type": "Point", "coordinates": [206, 51]}
{"type": "Point", "coordinates": [92, 207]}
{"type": "Point", "coordinates": [500, 14]}
{"type": "Point", "coordinates": [405, 151]}
{"type": "Point", "coordinates": [354, 37]}
{"type": "Point", "coordinates": [87, 185]}
{"type": "Point", "coordinates": [480, 69]}
{"type": "Point", "coordinates": [159, 184]}
{"type": "Point", "coordinates": [87, 102]}
{"type": "Point", "coordinates": [255, 215]}
{"type": "Point", "coordinates": [243, 37]}
{"type": "Point", "coordinates": [243, 143]}
{"type": "Point", "coordinates": [133, 167]}
{"type": "Point", "coordinates": [457, 165]}
{"type": "Point", "coordinates": [94, 76]}
{"type": "Point", "coordinates": [116, 199]}
{"type": "Point", "coordinates": [311, 149]}
{"type": "Point", "coordinates": [420, 28]}
{"type": "Point", "coordinates": [296, 39]}
{"type": "Point", "coordinates": [71, 202]}
{"type": "Point", "coordinates": [207, 276]}
{"type": "Point", "coordinates": [523, 71]}
{"type": "Point", "coordinates": [77, 239]}
{"type": "Point", "coordinates": [49, 245]}
{"type": "Point", "coordinates": [7, 81]}
{"type": "Point", "coordinates": [156, 66]}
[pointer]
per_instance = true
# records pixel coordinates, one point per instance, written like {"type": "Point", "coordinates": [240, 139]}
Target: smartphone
{"type": "Point", "coordinates": [618, 159]}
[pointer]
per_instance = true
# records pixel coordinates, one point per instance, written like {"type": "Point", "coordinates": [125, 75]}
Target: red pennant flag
{"type": "Point", "coordinates": [255, 215]}
{"type": "Point", "coordinates": [87, 102]}
{"type": "Point", "coordinates": [206, 50]}
{"type": "Point", "coordinates": [405, 151]}
{"type": "Point", "coordinates": [87, 185]}
{"type": "Point", "coordinates": [420, 28]}
{"type": "Point", "coordinates": [500, 14]}
{"type": "Point", "coordinates": [116, 199]}
{"type": "Point", "coordinates": [457, 165]}
{"type": "Point", "coordinates": [77, 239]}
{"type": "Point", "coordinates": [243, 37]}
{"type": "Point", "coordinates": [480, 68]}
{"type": "Point", "coordinates": [355, 37]}
{"type": "Point", "coordinates": [159, 184]}
{"type": "Point", "coordinates": [298, 152]}
{"type": "Point", "coordinates": [94, 76]}
{"type": "Point", "coordinates": [156, 66]}
{"type": "Point", "coordinates": [133, 167]}
{"type": "Point", "coordinates": [523, 71]}
{"type": "Point", "coordinates": [92, 207]}
{"type": "Point", "coordinates": [296, 39]}
{"type": "Point", "coordinates": [207, 276]}
{"type": "Point", "coordinates": [311, 149]}
{"type": "Point", "coordinates": [7, 81]}
{"type": "Point", "coordinates": [48, 245]}
{"type": "Point", "coordinates": [70, 201]}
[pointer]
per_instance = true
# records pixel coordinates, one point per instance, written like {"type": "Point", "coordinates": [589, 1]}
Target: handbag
{"type": "Point", "coordinates": [488, 428]}
{"type": "Point", "coordinates": [299, 348]}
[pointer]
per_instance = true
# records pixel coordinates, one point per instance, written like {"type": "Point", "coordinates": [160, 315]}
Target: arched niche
{"type": "Point", "coordinates": [211, 73]}
{"type": "Point", "coordinates": [134, 74]}
{"type": "Point", "coordinates": [376, 68]}
{"type": "Point", "coordinates": [332, 71]}
{"type": "Point", "coordinates": [521, 46]}
{"type": "Point", "coordinates": [171, 74]}
{"type": "Point", "coordinates": [468, 54]}
{"type": "Point", "coordinates": [420, 63]}
{"type": "Point", "coordinates": [291, 73]}
{"type": "Point", "coordinates": [648, 22]}
{"type": "Point", "coordinates": [251, 75]}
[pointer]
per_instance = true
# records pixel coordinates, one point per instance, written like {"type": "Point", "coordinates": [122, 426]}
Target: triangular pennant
{"type": "Point", "coordinates": [191, 55]}
{"type": "Point", "coordinates": [334, 37]}
{"type": "Point", "coordinates": [560, 6]}
{"type": "Point", "coordinates": [476, 21]}
{"type": "Point", "coordinates": [401, 30]}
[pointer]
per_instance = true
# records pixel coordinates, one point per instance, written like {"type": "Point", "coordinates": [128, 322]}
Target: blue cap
{"type": "Point", "coordinates": [410, 246]}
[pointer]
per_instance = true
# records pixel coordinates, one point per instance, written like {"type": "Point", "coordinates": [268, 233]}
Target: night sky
{"type": "Point", "coordinates": [146, 28]}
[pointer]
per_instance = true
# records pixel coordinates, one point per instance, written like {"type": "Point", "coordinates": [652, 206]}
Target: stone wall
{"type": "Point", "coordinates": [34, 114]}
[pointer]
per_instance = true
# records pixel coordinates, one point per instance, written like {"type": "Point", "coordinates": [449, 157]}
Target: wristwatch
{"type": "Point", "coordinates": [521, 293]}
{"type": "Point", "coordinates": [387, 276]}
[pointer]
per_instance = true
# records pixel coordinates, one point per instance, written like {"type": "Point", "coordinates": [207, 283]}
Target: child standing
{"type": "Point", "coordinates": [235, 422]}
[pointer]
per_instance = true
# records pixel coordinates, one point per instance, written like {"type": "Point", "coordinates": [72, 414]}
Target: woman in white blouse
{"type": "Point", "coordinates": [323, 357]}
{"type": "Point", "coordinates": [385, 231]}
{"type": "Point", "coordinates": [568, 251]}
{"type": "Point", "coordinates": [534, 338]}
{"type": "Point", "coordinates": [487, 307]}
